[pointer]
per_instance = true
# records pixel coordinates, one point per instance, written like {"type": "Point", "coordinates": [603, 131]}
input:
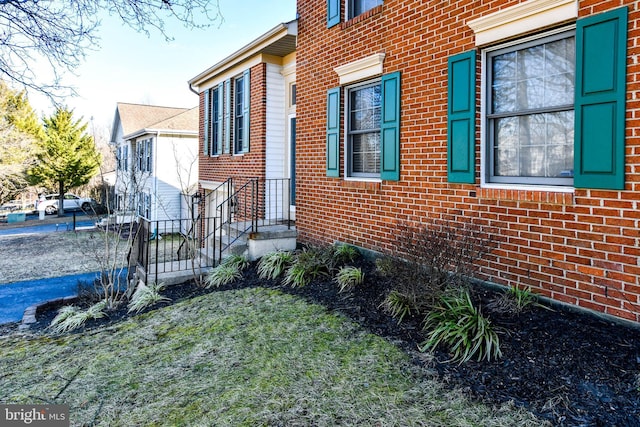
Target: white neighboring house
{"type": "Point", "coordinates": [157, 160]}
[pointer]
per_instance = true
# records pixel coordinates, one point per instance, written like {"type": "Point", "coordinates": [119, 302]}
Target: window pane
{"type": "Point", "coordinates": [534, 77]}
{"type": "Point", "coordinates": [537, 145]}
{"type": "Point", "coordinates": [361, 6]}
{"type": "Point", "coordinates": [366, 153]}
{"type": "Point", "coordinates": [239, 96]}
{"type": "Point", "coordinates": [365, 108]}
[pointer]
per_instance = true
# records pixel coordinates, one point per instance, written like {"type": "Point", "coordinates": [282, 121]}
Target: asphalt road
{"type": "Point", "coordinates": [52, 223]}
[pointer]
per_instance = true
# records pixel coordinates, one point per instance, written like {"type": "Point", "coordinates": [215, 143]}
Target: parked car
{"type": "Point", "coordinates": [71, 203]}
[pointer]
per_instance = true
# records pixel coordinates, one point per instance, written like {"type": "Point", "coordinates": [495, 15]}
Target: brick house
{"type": "Point", "coordinates": [519, 115]}
{"type": "Point", "coordinates": [247, 117]}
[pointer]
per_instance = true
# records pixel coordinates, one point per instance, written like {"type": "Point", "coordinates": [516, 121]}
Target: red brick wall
{"type": "Point", "coordinates": [251, 164]}
{"type": "Point", "coordinates": [581, 248]}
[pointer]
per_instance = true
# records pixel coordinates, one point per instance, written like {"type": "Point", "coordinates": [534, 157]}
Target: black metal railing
{"type": "Point", "coordinates": [235, 208]}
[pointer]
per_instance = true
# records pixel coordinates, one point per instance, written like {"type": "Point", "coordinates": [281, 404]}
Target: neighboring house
{"type": "Point", "coordinates": [517, 115]}
{"type": "Point", "coordinates": [247, 122]}
{"type": "Point", "coordinates": [157, 160]}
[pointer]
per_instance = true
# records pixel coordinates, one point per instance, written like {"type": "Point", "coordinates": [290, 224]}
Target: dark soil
{"type": "Point", "coordinates": [568, 367]}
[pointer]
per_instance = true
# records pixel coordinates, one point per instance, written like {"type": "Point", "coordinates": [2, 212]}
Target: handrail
{"type": "Point", "coordinates": [243, 198]}
{"type": "Point", "coordinates": [233, 212]}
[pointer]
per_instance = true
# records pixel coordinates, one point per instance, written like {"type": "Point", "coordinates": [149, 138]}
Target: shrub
{"type": "Point", "coordinates": [272, 265]}
{"type": "Point", "coordinates": [70, 318]}
{"type": "Point", "coordinates": [459, 325]}
{"type": "Point", "coordinates": [343, 253]}
{"type": "Point", "coordinates": [413, 294]}
{"type": "Point", "coordinates": [309, 263]}
{"type": "Point", "coordinates": [441, 253]}
{"type": "Point", "coordinates": [349, 277]}
{"type": "Point", "coordinates": [223, 274]}
{"type": "Point", "coordinates": [146, 296]}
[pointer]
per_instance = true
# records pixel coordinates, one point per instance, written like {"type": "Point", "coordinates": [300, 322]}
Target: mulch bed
{"type": "Point", "coordinates": [568, 367]}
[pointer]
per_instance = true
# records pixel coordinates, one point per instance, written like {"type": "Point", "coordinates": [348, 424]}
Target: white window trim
{"type": "Point", "coordinates": [345, 138]}
{"type": "Point", "coordinates": [522, 18]}
{"type": "Point", "coordinates": [365, 68]}
{"type": "Point", "coordinates": [484, 183]}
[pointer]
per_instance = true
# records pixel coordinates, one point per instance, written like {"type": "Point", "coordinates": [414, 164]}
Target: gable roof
{"type": "Point", "coordinates": [137, 119]}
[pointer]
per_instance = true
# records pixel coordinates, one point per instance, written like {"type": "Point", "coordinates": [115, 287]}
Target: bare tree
{"type": "Point", "coordinates": [62, 31]}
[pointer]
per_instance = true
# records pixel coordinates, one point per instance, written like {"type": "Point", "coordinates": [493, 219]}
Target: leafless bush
{"type": "Point", "coordinates": [430, 258]}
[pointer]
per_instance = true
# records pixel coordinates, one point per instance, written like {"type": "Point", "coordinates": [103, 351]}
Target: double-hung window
{"type": "Point", "coordinates": [216, 120]}
{"type": "Point", "coordinates": [226, 117]}
{"type": "Point", "coordinates": [238, 116]}
{"type": "Point", "coordinates": [530, 111]}
{"type": "Point", "coordinates": [148, 151]}
{"type": "Point", "coordinates": [363, 130]}
{"type": "Point", "coordinates": [372, 123]}
{"type": "Point", "coordinates": [554, 108]}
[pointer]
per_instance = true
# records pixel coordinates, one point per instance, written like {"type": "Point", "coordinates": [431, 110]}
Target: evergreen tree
{"type": "Point", "coordinates": [66, 157]}
{"type": "Point", "coordinates": [20, 128]}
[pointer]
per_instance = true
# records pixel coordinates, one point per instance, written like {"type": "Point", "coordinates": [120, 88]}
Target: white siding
{"type": "Point", "coordinates": [276, 149]}
{"type": "Point", "coordinates": [277, 153]}
{"type": "Point", "coordinates": [175, 173]}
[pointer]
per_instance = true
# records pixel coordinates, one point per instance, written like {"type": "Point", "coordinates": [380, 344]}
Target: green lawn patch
{"type": "Point", "coordinates": [239, 358]}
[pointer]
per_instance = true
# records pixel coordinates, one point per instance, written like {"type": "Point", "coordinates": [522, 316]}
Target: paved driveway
{"type": "Point", "coordinates": [16, 297]}
{"type": "Point", "coordinates": [41, 260]}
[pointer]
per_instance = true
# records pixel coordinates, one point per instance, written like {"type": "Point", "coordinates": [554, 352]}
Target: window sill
{"type": "Point", "coordinates": [548, 195]}
{"type": "Point", "coordinates": [363, 16]}
{"type": "Point", "coordinates": [374, 186]}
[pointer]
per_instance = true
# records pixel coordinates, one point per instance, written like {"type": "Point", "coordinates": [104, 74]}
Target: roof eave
{"type": "Point", "coordinates": [141, 132]}
{"type": "Point", "coordinates": [271, 36]}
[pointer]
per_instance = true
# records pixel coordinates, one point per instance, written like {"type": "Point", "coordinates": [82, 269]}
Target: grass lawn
{"type": "Point", "coordinates": [235, 358]}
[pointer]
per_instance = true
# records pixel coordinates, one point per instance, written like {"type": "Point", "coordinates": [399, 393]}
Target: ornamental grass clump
{"type": "Point", "coordinates": [228, 271]}
{"type": "Point", "coordinates": [349, 277]}
{"type": "Point", "coordinates": [146, 296]}
{"type": "Point", "coordinates": [274, 264]}
{"type": "Point", "coordinates": [222, 275]}
{"type": "Point", "coordinates": [514, 301]}
{"type": "Point", "coordinates": [343, 253]}
{"type": "Point", "coordinates": [70, 318]}
{"type": "Point", "coordinates": [309, 263]}
{"type": "Point", "coordinates": [461, 327]}
{"type": "Point", "coordinates": [400, 305]}
{"type": "Point", "coordinates": [241, 262]}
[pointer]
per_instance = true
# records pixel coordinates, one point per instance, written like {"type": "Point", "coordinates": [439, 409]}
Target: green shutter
{"type": "Point", "coordinates": [461, 120]}
{"type": "Point", "coordinates": [219, 118]}
{"type": "Point", "coordinates": [390, 128]}
{"type": "Point", "coordinates": [333, 132]}
{"type": "Point", "coordinates": [601, 58]}
{"type": "Point", "coordinates": [227, 116]}
{"type": "Point", "coordinates": [333, 13]}
{"type": "Point", "coordinates": [246, 103]}
{"type": "Point", "coordinates": [205, 148]}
